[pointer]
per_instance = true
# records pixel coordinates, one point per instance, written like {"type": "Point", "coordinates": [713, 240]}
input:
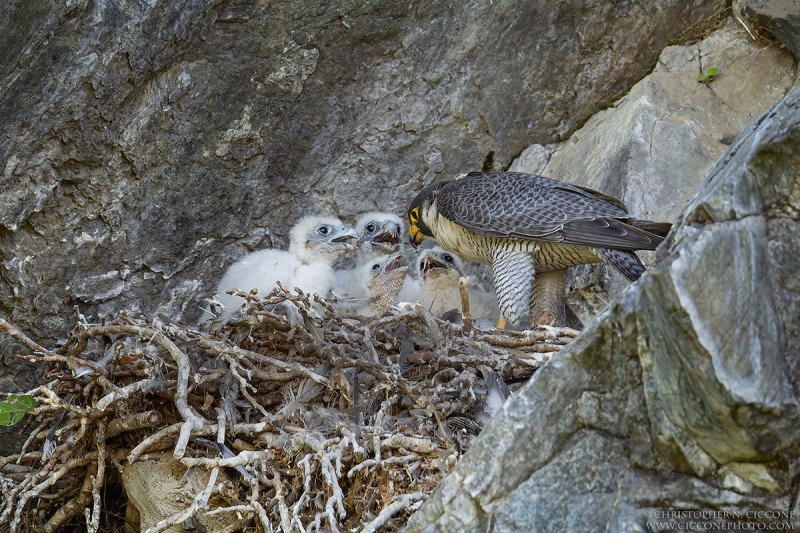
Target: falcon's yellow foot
{"type": "Point", "coordinates": [501, 324]}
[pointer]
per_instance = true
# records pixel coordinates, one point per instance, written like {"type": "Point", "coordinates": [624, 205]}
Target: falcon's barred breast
{"type": "Point", "coordinates": [522, 224]}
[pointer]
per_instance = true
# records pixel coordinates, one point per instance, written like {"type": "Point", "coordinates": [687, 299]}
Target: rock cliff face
{"type": "Point", "coordinates": [683, 394]}
{"type": "Point", "coordinates": [654, 147]}
{"type": "Point", "coordinates": [147, 145]}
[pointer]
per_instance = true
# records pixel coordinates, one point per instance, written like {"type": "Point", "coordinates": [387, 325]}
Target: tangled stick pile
{"type": "Point", "coordinates": [293, 418]}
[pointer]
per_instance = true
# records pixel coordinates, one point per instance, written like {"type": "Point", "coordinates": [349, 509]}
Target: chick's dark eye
{"type": "Point", "coordinates": [376, 266]}
{"type": "Point", "coordinates": [323, 230]}
{"type": "Point", "coordinates": [421, 265]}
{"type": "Point", "coordinates": [371, 228]}
{"type": "Point", "coordinates": [448, 258]}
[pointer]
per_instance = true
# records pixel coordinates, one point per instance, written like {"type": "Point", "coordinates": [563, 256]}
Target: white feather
{"type": "Point", "coordinates": [411, 291]}
{"type": "Point", "coordinates": [259, 270]}
{"type": "Point", "coordinates": [316, 278]}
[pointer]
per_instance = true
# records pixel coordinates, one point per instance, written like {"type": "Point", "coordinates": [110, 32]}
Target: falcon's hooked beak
{"type": "Point", "coordinates": [395, 263]}
{"type": "Point", "coordinates": [389, 238]}
{"type": "Point", "coordinates": [415, 236]}
{"type": "Point", "coordinates": [347, 236]}
{"type": "Point", "coordinates": [430, 262]}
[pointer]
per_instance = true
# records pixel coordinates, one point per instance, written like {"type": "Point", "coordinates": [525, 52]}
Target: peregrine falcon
{"type": "Point", "coordinates": [321, 238]}
{"type": "Point", "coordinates": [523, 224]}
{"type": "Point", "coordinates": [314, 244]}
{"type": "Point", "coordinates": [380, 232]}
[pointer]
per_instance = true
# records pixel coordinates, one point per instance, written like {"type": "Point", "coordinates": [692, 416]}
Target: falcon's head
{"type": "Point", "coordinates": [325, 239]}
{"type": "Point", "coordinates": [384, 278]}
{"type": "Point", "coordinates": [439, 269]}
{"type": "Point", "coordinates": [437, 262]}
{"type": "Point", "coordinates": [422, 213]}
{"type": "Point", "coordinates": [379, 231]}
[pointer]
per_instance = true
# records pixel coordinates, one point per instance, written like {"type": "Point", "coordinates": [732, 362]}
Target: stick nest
{"type": "Point", "coordinates": [294, 417]}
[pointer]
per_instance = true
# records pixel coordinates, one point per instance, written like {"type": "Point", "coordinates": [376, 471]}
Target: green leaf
{"type": "Point", "coordinates": [15, 409]}
{"type": "Point", "coordinates": [708, 76]}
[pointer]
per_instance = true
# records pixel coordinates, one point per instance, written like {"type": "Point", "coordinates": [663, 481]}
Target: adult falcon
{"type": "Point", "coordinates": [524, 224]}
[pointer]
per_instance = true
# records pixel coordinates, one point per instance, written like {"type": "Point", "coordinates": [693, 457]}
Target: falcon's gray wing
{"type": "Point", "coordinates": [529, 207]}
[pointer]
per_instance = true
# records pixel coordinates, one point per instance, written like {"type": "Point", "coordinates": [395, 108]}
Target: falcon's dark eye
{"type": "Point", "coordinates": [413, 215]}
{"type": "Point", "coordinates": [376, 266]}
{"type": "Point", "coordinates": [371, 227]}
{"type": "Point", "coordinates": [448, 258]}
{"type": "Point", "coordinates": [323, 230]}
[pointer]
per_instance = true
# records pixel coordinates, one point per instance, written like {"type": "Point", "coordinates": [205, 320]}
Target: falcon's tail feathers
{"type": "Point", "coordinates": [625, 261]}
{"type": "Point", "coordinates": [659, 229]}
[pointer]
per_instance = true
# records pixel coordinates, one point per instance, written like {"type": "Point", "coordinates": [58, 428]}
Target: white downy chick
{"type": "Point", "coordinates": [380, 234]}
{"type": "Point", "coordinates": [315, 243]}
{"type": "Point", "coordinates": [318, 242]}
{"type": "Point", "coordinates": [382, 279]}
{"type": "Point", "coordinates": [259, 270]}
{"type": "Point", "coordinates": [316, 239]}
{"type": "Point", "coordinates": [439, 273]}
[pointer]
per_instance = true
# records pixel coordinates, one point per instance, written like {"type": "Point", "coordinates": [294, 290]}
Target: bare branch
{"type": "Point", "coordinates": [15, 333]}
{"type": "Point", "coordinates": [404, 502]}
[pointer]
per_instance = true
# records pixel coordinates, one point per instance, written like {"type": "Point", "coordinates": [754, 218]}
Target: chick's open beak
{"type": "Point", "coordinates": [347, 236]}
{"type": "Point", "coordinates": [430, 262]}
{"type": "Point", "coordinates": [389, 238]}
{"type": "Point", "coordinates": [395, 263]}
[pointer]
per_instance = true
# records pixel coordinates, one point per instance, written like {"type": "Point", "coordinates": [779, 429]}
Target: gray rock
{"type": "Point", "coordinates": [683, 394]}
{"type": "Point", "coordinates": [18, 21]}
{"type": "Point", "coordinates": [655, 146]}
{"type": "Point", "coordinates": [780, 18]}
